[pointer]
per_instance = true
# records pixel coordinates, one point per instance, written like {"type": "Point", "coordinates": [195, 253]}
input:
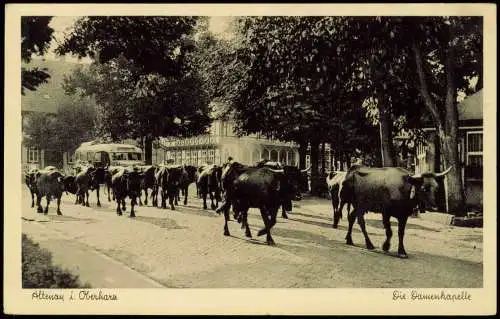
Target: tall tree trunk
{"type": "Point", "coordinates": [314, 168]}
{"type": "Point", "coordinates": [449, 141]}
{"type": "Point", "coordinates": [302, 154]}
{"type": "Point", "coordinates": [446, 129]}
{"type": "Point", "coordinates": [148, 150]}
{"type": "Point", "coordinates": [304, 186]}
{"type": "Point", "coordinates": [385, 126]}
{"type": "Point", "coordinates": [323, 159]}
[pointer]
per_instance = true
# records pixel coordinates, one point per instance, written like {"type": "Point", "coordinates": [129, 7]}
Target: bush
{"type": "Point", "coordinates": [39, 272]}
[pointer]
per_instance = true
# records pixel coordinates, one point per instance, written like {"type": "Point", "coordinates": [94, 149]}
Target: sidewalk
{"type": "Point", "coordinates": [92, 267]}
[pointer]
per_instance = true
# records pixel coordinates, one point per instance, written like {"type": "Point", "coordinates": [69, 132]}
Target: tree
{"type": "Point", "coordinates": [457, 59]}
{"type": "Point", "coordinates": [64, 131]}
{"type": "Point", "coordinates": [292, 86]}
{"type": "Point", "coordinates": [36, 36]}
{"type": "Point", "coordinates": [144, 76]}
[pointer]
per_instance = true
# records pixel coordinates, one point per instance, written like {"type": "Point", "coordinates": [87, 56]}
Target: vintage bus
{"type": "Point", "coordinates": [106, 154]}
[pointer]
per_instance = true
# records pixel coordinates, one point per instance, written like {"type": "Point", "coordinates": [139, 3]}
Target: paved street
{"type": "Point", "coordinates": [187, 248]}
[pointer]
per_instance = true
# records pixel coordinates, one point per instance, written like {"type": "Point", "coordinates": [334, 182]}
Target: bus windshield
{"type": "Point", "coordinates": [121, 156]}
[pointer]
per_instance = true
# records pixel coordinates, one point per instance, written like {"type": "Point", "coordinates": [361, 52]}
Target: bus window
{"type": "Point", "coordinates": [134, 156]}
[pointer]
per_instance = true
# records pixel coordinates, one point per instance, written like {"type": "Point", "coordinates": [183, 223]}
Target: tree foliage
{"type": "Point", "coordinates": [73, 124]}
{"type": "Point", "coordinates": [36, 36]}
{"type": "Point", "coordinates": [144, 77]}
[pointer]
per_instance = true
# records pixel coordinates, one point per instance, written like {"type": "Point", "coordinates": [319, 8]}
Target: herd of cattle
{"type": "Point", "coordinates": [392, 191]}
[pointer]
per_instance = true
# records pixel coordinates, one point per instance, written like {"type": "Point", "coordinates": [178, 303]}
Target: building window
{"type": "Point", "coordinates": [33, 155]}
{"type": "Point", "coordinates": [474, 164]}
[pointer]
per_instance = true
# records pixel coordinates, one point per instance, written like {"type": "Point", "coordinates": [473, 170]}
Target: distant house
{"type": "Point", "coordinates": [470, 148]}
{"type": "Point", "coordinates": [47, 99]}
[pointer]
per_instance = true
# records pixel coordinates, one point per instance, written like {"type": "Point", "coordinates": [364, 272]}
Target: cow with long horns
{"type": "Point", "coordinates": [392, 191]}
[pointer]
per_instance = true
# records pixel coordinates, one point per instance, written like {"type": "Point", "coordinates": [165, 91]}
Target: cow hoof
{"type": "Point", "coordinates": [370, 247]}
{"type": "Point", "coordinates": [205, 207]}
{"type": "Point", "coordinates": [59, 213]}
{"type": "Point", "coordinates": [248, 234]}
{"type": "Point", "coordinates": [271, 243]}
{"type": "Point", "coordinates": [87, 205]}
{"type": "Point", "coordinates": [119, 214]}
{"type": "Point", "coordinates": [226, 233]}
{"type": "Point", "coordinates": [32, 205]}
{"type": "Point", "coordinates": [284, 216]}
{"type": "Point", "coordinates": [132, 216]}
{"type": "Point", "coordinates": [386, 246]}
{"type": "Point", "coordinates": [403, 255]}
{"type": "Point", "coordinates": [335, 226]}
{"type": "Point", "coordinates": [349, 242]}
{"type": "Point", "coordinates": [261, 232]}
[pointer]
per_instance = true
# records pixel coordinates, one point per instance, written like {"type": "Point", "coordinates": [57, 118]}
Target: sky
{"type": "Point", "coordinates": [63, 24]}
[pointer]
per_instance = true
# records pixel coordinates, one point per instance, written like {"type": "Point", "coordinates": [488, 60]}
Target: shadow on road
{"type": "Point", "coordinates": [378, 224]}
{"type": "Point", "coordinates": [166, 223]}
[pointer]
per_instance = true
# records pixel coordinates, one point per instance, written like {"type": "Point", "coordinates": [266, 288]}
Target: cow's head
{"type": "Point", "coordinates": [69, 184]}
{"type": "Point", "coordinates": [293, 177]}
{"type": "Point", "coordinates": [174, 175]}
{"type": "Point", "coordinates": [191, 172]}
{"type": "Point", "coordinates": [426, 186]}
{"type": "Point", "coordinates": [133, 180]}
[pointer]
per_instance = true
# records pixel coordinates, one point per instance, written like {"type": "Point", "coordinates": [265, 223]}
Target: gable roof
{"type": "Point", "coordinates": [48, 96]}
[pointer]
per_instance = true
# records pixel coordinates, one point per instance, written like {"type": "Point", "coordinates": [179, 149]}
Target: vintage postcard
{"type": "Point", "coordinates": [316, 159]}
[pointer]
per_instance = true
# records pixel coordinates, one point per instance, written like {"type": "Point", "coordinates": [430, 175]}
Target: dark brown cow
{"type": "Point", "coordinates": [49, 184]}
{"type": "Point", "coordinates": [392, 191]}
{"type": "Point", "coordinates": [209, 183]}
{"type": "Point", "coordinates": [30, 180]}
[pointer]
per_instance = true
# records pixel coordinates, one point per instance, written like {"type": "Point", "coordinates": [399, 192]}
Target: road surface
{"type": "Point", "coordinates": [186, 248]}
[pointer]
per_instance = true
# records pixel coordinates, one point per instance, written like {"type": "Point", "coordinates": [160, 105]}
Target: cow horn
{"type": "Point", "coordinates": [305, 170]}
{"type": "Point", "coordinates": [444, 173]}
{"type": "Point", "coordinates": [276, 170]}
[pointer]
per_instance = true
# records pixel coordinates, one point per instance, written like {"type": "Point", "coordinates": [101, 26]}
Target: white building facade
{"type": "Point", "coordinates": [220, 143]}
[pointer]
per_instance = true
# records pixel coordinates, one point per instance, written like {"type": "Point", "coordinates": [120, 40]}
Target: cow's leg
{"type": "Point", "coordinates": [163, 198]}
{"type": "Point", "coordinates": [269, 218]}
{"type": "Point", "coordinates": [386, 220]}
{"type": "Point", "coordinates": [87, 202]}
{"type": "Point", "coordinates": [154, 196]}
{"type": "Point", "coordinates": [146, 198]}
{"type": "Point", "coordinates": [362, 225]}
{"type": "Point", "coordinates": [401, 235]}
{"type": "Point", "coordinates": [109, 191]}
{"type": "Point", "coordinates": [47, 198]}
{"type": "Point", "coordinates": [140, 195]}
{"type": "Point", "coordinates": [186, 194]}
{"type": "Point", "coordinates": [204, 196]}
{"type": "Point", "coordinates": [118, 210]}
{"type": "Point", "coordinates": [335, 202]}
{"type": "Point", "coordinates": [39, 204]}
{"type": "Point", "coordinates": [212, 198]}
{"type": "Point", "coordinates": [175, 194]}
{"type": "Point", "coordinates": [351, 217]}
{"type": "Point", "coordinates": [172, 199]}
{"type": "Point", "coordinates": [133, 202]}
{"type": "Point", "coordinates": [248, 233]}
{"type": "Point", "coordinates": [32, 198]}
{"type": "Point", "coordinates": [124, 207]}
{"type": "Point", "coordinates": [59, 205]}
{"type": "Point", "coordinates": [97, 193]}
{"type": "Point", "coordinates": [226, 219]}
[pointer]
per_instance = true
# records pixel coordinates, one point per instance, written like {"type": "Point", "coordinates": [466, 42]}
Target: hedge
{"type": "Point", "coordinates": [39, 271]}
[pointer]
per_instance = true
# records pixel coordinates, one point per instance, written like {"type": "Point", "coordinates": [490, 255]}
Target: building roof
{"type": "Point", "coordinates": [48, 96]}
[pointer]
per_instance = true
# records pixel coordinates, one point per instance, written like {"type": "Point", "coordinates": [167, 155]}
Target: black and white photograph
{"type": "Point", "coordinates": [244, 160]}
